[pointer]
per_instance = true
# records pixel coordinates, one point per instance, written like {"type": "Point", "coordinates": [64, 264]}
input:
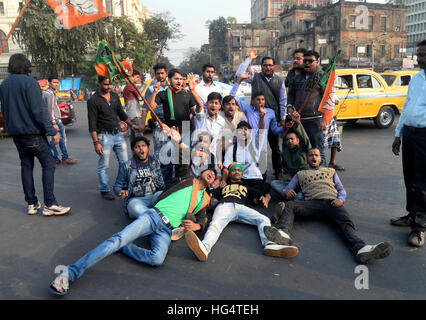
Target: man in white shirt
{"type": "Point", "coordinates": [412, 127]}
{"type": "Point", "coordinates": [207, 85]}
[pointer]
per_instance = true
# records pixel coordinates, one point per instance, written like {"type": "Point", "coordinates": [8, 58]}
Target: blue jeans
{"type": "Point", "coordinates": [148, 224]}
{"type": "Point", "coordinates": [30, 147]}
{"type": "Point", "coordinates": [138, 205]}
{"type": "Point", "coordinates": [62, 143]}
{"type": "Point", "coordinates": [109, 143]}
{"type": "Point", "coordinates": [160, 140]}
{"type": "Point", "coordinates": [279, 186]}
{"type": "Point", "coordinates": [316, 137]}
{"type": "Point", "coordinates": [228, 212]}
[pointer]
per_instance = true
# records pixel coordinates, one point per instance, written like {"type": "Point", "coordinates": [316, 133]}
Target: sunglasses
{"type": "Point", "coordinates": [309, 60]}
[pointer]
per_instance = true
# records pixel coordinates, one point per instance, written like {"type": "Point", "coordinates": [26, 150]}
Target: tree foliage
{"type": "Point", "coordinates": [60, 51]}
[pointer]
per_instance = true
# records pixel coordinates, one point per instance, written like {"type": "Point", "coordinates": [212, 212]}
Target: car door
{"type": "Point", "coordinates": [347, 95]}
{"type": "Point", "coordinates": [371, 94]}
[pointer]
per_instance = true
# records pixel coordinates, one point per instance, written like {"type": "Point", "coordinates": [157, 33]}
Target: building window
{"type": "Point", "coordinates": [396, 51]}
{"type": "Point", "coordinates": [352, 51]}
{"type": "Point", "coordinates": [2, 39]}
{"type": "Point", "coordinates": [383, 24]}
{"type": "Point", "coordinates": [352, 22]}
{"type": "Point", "coordinates": [370, 23]}
{"type": "Point", "coordinates": [1, 8]}
{"type": "Point", "coordinates": [382, 50]}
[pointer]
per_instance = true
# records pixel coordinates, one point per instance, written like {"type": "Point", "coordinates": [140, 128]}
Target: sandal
{"type": "Point", "coordinates": [61, 282]}
{"type": "Point", "coordinates": [337, 167]}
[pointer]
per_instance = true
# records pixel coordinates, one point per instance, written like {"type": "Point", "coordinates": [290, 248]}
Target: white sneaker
{"type": "Point", "coordinates": [196, 245]}
{"type": "Point", "coordinates": [277, 250]}
{"type": "Point", "coordinates": [33, 208]}
{"type": "Point", "coordinates": [371, 252]}
{"type": "Point", "coordinates": [55, 210]}
{"type": "Point", "coordinates": [177, 233]}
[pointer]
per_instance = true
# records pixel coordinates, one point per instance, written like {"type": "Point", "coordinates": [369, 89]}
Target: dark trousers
{"type": "Point", "coordinates": [414, 168]}
{"type": "Point", "coordinates": [274, 143]}
{"type": "Point", "coordinates": [316, 137]}
{"type": "Point", "coordinates": [321, 209]}
{"type": "Point", "coordinates": [30, 147]}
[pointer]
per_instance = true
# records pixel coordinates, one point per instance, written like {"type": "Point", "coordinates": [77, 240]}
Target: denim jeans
{"type": "Point", "coordinates": [160, 140]}
{"type": "Point", "coordinates": [62, 143]}
{"type": "Point", "coordinates": [316, 137]}
{"type": "Point", "coordinates": [279, 186]}
{"type": "Point", "coordinates": [228, 212]}
{"type": "Point", "coordinates": [138, 205]}
{"type": "Point", "coordinates": [36, 146]}
{"type": "Point", "coordinates": [109, 143]}
{"type": "Point", "coordinates": [148, 224]}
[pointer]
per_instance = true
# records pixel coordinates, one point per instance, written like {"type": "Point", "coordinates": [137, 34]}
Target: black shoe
{"type": "Point", "coordinates": [404, 221]}
{"type": "Point", "coordinates": [107, 195]}
{"type": "Point", "coordinates": [276, 235]}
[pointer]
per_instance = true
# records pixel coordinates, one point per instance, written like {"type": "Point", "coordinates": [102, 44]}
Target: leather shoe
{"type": "Point", "coordinates": [404, 221]}
{"type": "Point", "coordinates": [69, 161]}
{"type": "Point", "coordinates": [107, 195]}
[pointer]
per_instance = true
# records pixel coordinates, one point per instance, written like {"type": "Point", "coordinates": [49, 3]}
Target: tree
{"type": "Point", "coordinates": [231, 20]}
{"type": "Point", "coordinates": [160, 29]}
{"type": "Point", "coordinates": [60, 51]}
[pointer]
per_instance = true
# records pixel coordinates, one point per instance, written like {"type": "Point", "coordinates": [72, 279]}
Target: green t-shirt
{"type": "Point", "coordinates": [176, 206]}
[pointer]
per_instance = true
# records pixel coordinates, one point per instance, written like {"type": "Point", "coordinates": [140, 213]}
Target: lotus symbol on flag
{"type": "Point", "coordinates": [83, 6]}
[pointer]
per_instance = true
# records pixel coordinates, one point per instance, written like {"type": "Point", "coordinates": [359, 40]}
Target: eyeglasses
{"type": "Point", "coordinates": [309, 60]}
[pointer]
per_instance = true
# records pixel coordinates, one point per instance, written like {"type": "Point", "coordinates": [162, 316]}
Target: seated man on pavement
{"type": "Point", "coordinates": [324, 197]}
{"type": "Point", "coordinates": [140, 180]}
{"type": "Point", "coordinates": [233, 206]}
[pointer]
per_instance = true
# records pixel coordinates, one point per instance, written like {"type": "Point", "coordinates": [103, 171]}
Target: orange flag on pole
{"type": "Point", "coordinates": [73, 13]}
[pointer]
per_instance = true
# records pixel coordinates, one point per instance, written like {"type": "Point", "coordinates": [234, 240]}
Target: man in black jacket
{"type": "Point", "coordinates": [27, 121]}
{"type": "Point", "coordinates": [299, 89]}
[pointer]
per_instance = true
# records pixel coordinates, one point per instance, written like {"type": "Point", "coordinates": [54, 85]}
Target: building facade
{"type": "Point", "coordinates": [416, 24]}
{"type": "Point", "coordinates": [9, 11]}
{"type": "Point", "coordinates": [134, 9]}
{"type": "Point", "coordinates": [262, 9]}
{"type": "Point", "coordinates": [369, 34]}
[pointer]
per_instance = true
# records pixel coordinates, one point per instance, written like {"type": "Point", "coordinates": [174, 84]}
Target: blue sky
{"type": "Point", "coordinates": [192, 15]}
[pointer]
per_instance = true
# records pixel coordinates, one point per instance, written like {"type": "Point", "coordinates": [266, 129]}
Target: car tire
{"type": "Point", "coordinates": [385, 118]}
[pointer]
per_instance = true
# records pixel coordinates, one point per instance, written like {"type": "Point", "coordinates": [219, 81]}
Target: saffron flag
{"type": "Point", "coordinates": [73, 13]}
{"type": "Point", "coordinates": [327, 82]}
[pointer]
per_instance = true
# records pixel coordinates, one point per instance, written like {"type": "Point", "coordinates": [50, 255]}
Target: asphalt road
{"type": "Point", "coordinates": [32, 246]}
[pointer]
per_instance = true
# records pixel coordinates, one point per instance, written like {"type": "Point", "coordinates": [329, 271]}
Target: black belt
{"type": "Point", "coordinates": [115, 131]}
{"type": "Point", "coordinates": [415, 129]}
{"type": "Point", "coordinates": [165, 220]}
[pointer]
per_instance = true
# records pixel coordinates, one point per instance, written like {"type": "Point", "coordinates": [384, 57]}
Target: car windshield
{"type": "Point", "coordinates": [389, 78]}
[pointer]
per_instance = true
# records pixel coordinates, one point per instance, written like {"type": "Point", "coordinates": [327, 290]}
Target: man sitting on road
{"type": "Point", "coordinates": [176, 203]}
{"type": "Point", "coordinates": [140, 180]}
{"type": "Point", "coordinates": [324, 196]}
{"type": "Point", "coordinates": [233, 201]}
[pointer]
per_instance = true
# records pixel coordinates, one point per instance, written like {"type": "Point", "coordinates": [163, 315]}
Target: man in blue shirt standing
{"type": "Point", "coordinates": [412, 128]}
{"type": "Point", "coordinates": [27, 121]}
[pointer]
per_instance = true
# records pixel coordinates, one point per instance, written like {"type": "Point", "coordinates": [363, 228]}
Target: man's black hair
{"type": "Point", "coordinates": [19, 64]}
{"type": "Point", "coordinates": [211, 168]}
{"type": "Point", "coordinates": [268, 58]}
{"type": "Point", "coordinates": [257, 94]}
{"type": "Point", "coordinates": [137, 139]}
{"type": "Point", "coordinates": [311, 53]}
{"type": "Point", "coordinates": [51, 78]}
{"type": "Point", "coordinates": [207, 65]}
{"type": "Point", "coordinates": [173, 72]}
{"type": "Point", "coordinates": [299, 50]}
{"type": "Point", "coordinates": [421, 43]}
{"type": "Point", "coordinates": [228, 99]}
{"type": "Point", "coordinates": [214, 96]}
{"type": "Point", "coordinates": [101, 78]}
{"type": "Point", "coordinates": [136, 73]}
{"type": "Point", "coordinates": [243, 124]}
{"type": "Point", "coordinates": [160, 66]}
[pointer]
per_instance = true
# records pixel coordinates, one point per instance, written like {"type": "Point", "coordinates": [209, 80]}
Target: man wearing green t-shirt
{"type": "Point", "coordinates": [175, 207]}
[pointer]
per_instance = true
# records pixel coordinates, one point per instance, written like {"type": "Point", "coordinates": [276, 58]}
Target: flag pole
{"type": "Point", "coordinates": [14, 26]}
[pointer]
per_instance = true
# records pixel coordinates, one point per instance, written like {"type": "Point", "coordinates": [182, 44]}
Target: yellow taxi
{"type": "Point", "coordinates": [364, 94]}
{"type": "Point", "coordinates": [147, 83]}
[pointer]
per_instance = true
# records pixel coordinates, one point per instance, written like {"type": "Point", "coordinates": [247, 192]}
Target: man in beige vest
{"type": "Point", "coordinates": [324, 197]}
